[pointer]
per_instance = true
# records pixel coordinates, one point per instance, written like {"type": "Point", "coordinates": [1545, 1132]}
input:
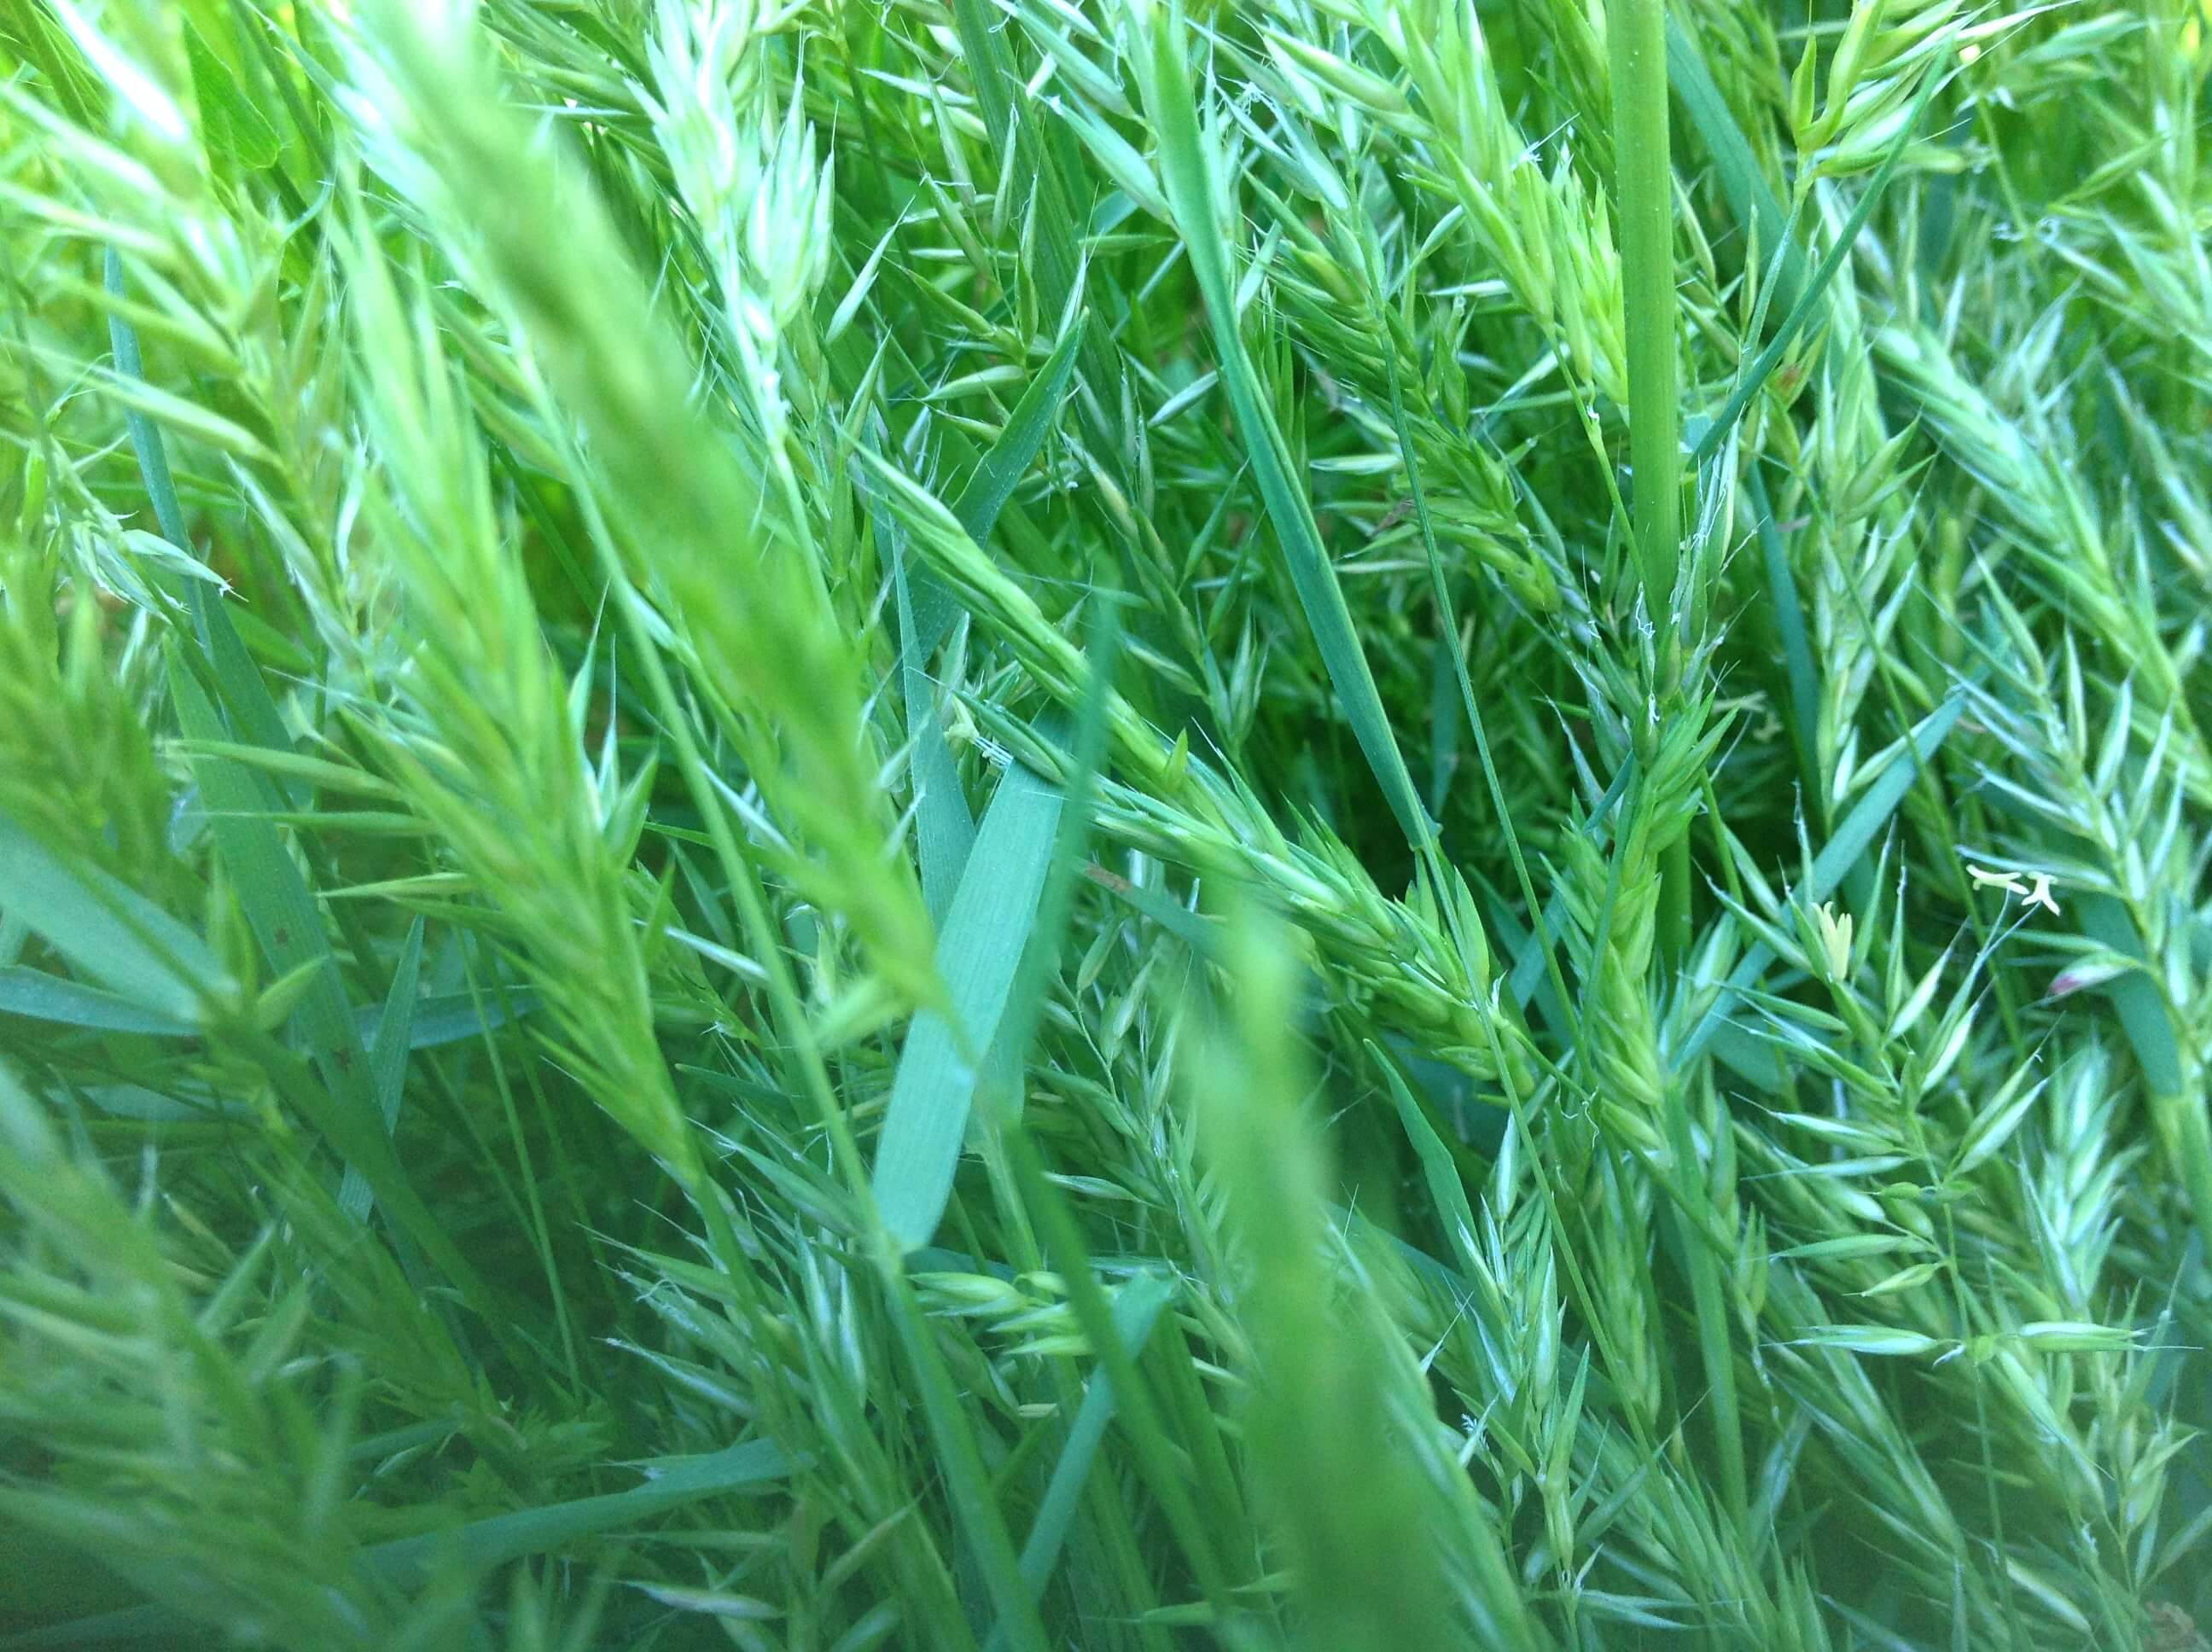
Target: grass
{"type": "Point", "coordinates": [1344, 823]}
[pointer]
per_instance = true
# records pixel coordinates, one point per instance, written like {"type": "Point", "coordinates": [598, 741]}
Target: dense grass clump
{"type": "Point", "coordinates": [1359, 824]}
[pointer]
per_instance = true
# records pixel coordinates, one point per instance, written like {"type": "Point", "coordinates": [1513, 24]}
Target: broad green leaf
{"type": "Point", "coordinates": [39, 996]}
{"type": "Point", "coordinates": [992, 914]}
{"type": "Point", "coordinates": [111, 932]}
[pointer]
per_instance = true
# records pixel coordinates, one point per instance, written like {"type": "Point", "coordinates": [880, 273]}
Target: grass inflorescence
{"type": "Point", "coordinates": [1036, 823]}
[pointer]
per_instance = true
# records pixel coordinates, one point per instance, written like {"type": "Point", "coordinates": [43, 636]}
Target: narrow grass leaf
{"type": "Point", "coordinates": [1187, 168]}
{"type": "Point", "coordinates": [1748, 193]}
{"type": "Point", "coordinates": [1851, 839]}
{"type": "Point", "coordinates": [1135, 1309]}
{"type": "Point", "coordinates": [388, 1059]}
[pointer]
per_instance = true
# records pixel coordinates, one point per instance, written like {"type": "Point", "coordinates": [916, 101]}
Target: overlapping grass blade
{"type": "Point", "coordinates": [1188, 161]}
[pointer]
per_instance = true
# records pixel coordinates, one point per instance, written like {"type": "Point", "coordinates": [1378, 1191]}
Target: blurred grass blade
{"type": "Point", "coordinates": [111, 932]}
{"type": "Point", "coordinates": [37, 996]}
{"type": "Point", "coordinates": [1343, 1485]}
{"type": "Point", "coordinates": [696, 509]}
{"type": "Point", "coordinates": [388, 1059]}
{"type": "Point", "coordinates": [411, 1562]}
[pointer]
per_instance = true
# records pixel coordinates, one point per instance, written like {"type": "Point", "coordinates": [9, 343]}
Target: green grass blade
{"type": "Point", "coordinates": [1135, 1309]}
{"type": "Point", "coordinates": [275, 897]}
{"type": "Point", "coordinates": [1187, 168]}
{"type": "Point", "coordinates": [444, 1019]}
{"type": "Point", "coordinates": [1645, 204]}
{"type": "Point", "coordinates": [240, 690]}
{"type": "Point", "coordinates": [992, 915]}
{"type": "Point", "coordinates": [673, 1483]}
{"type": "Point", "coordinates": [1852, 837]}
{"type": "Point", "coordinates": [1040, 963]}
{"type": "Point", "coordinates": [1799, 671]}
{"type": "Point", "coordinates": [1748, 193]}
{"type": "Point", "coordinates": [1447, 641]}
{"type": "Point", "coordinates": [944, 831]}
{"type": "Point", "coordinates": [388, 1059]}
{"type": "Point", "coordinates": [410, 1562]}
{"type": "Point", "coordinates": [1761, 368]}
{"type": "Point", "coordinates": [1357, 1514]}
{"type": "Point", "coordinates": [2178, 1114]}
{"type": "Point", "coordinates": [111, 932]}
{"type": "Point", "coordinates": [991, 483]}
{"type": "Point", "coordinates": [37, 996]}
{"type": "Point", "coordinates": [1439, 1170]}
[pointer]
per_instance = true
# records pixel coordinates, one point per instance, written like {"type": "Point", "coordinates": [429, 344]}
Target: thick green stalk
{"type": "Point", "coordinates": [1644, 203]}
{"type": "Point", "coordinates": [1644, 191]}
